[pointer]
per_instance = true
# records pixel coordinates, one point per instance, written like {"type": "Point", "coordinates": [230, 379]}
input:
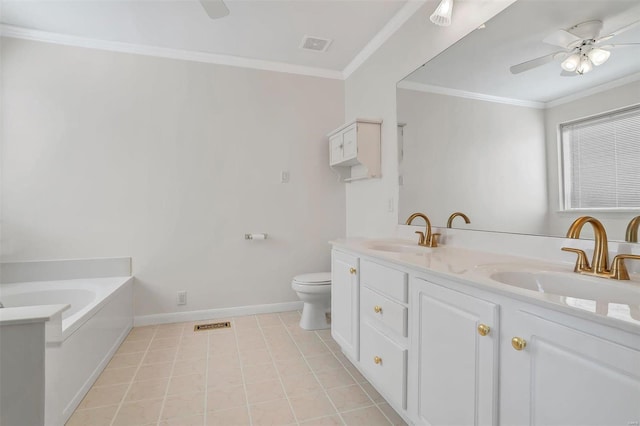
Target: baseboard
{"type": "Point", "coordinates": [215, 313]}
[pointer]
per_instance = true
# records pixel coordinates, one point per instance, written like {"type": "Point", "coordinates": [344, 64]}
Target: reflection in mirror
{"type": "Point", "coordinates": [476, 138]}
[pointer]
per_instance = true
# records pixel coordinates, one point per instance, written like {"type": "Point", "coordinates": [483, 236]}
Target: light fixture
{"type": "Point", "coordinates": [598, 56]}
{"type": "Point", "coordinates": [571, 63]}
{"type": "Point", "coordinates": [585, 65]}
{"type": "Point", "coordinates": [442, 14]}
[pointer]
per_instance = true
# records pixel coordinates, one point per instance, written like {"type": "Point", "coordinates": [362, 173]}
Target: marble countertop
{"type": "Point", "coordinates": [612, 302]}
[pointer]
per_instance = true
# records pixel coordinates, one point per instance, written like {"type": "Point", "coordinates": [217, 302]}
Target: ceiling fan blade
{"type": "Point", "coordinates": [561, 38]}
{"type": "Point", "coordinates": [615, 46]}
{"type": "Point", "coordinates": [618, 31]}
{"type": "Point", "coordinates": [534, 63]}
{"type": "Point", "coordinates": [568, 73]}
{"type": "Point", "coordinates": [215, 8]}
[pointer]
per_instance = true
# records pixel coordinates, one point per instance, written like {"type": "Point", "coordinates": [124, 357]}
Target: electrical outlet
{"type": "Point", "coordinates": [182, 297]}
{"type": "Point", "coordinates": [284, 176]}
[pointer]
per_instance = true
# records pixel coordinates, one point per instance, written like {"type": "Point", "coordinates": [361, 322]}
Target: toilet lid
{"type": "Point", "coordinates": [316, 278]}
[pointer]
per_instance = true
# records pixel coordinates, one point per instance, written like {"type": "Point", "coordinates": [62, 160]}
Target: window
{"type": "Point", "coordinates": [601, 161]}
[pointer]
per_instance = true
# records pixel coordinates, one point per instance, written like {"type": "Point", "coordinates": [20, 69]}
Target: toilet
{"type": "Point", "coordinates": [315, 291]}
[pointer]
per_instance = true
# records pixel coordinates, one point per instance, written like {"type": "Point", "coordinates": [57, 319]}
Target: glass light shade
{"type": "Point", "coordinates": [442, 14]}
{"type": "Point", "coordinates": [571, 63]}
{"type": "Point", "coordinates": [585, 65]}
{"type": "Point", "coordinates": [598, 56]}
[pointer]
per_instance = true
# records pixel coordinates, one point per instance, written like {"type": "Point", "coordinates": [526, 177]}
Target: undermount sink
{"type": "Point", "coordinates": [572, 285]}
{"type": "Point", "coordinates": [397, 247]}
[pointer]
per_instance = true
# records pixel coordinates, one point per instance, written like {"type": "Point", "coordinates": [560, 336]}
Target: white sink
{"type": "Point", "coordinates": [397, 247]}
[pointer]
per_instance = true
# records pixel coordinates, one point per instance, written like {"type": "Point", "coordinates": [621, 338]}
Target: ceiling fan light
{"type": "Point", "coordinates": [598, 56]}
{"type": "Point", "coordinates": [442, 15]}
{"type": "Point", "coordinates": [571, 63]}
{"type": "Point", "coordinates": [585, 65]}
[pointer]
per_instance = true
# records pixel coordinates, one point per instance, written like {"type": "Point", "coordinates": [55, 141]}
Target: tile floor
{"type": "Point", "coordinates": [264, 370]}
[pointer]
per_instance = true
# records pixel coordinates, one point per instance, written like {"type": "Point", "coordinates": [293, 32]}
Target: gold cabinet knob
{"type": "Point", "coordinates": [483, 329]}
{"type": "Point", "coordinates": [352, 270]}
{"type": "Point", "coordinates": [377, 360]}
{"type": "Point", "coordinates": [518, 343]}
{"type": "Point", "coordinates": [377, 309]}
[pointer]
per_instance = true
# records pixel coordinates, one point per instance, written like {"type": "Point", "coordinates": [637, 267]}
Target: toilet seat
{"type": "Point", "coordinates": [316, 278]}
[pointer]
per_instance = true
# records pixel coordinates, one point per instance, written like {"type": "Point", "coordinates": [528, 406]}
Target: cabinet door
{"type": "Point", "coordinates": [453, 370]}
{"type": "Point", "coordinates": [350, 147]}
{"type": "Point", "coordinates": [566, 377]}
{"type": "Point", "coordinates": [345, 308]}
{"type": "Point", "coordinates": [335, 149]}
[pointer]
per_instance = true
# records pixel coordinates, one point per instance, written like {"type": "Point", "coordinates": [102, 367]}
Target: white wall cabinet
{"type": "Point", "coordinates": [454, 357]}
{"type": "Point", "coordinates": [345, 302]}
{"type": "Point", "coordinates": [354, 150]}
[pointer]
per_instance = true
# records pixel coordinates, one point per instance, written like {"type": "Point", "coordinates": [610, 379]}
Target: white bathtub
{"type": "Point", "coordinates": [100, 317]}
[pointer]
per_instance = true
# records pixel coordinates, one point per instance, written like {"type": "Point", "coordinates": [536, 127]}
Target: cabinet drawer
{"type": "Point", "coordinates": [350, 147]}
{"type": "Point", "coordinates": [387, 281]}
{"type": "Point", "coordinates": [382, 310]}
{"type": "Point", "coordinates": [389, 374]}
{"type": "Point", "coordinates": [335, 148]}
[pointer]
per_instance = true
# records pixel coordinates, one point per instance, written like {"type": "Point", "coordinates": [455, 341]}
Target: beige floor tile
{"type": "Point", "coordinates": [183, 405]}
{"type": "Point", "coordinates": [372, 392]}
{"type": "Point", "coordinates": [224, 378]}
{"type": "Point", "coordinates": [164, 343]}
{"type": "Point", "coordinates": [224, 398]}
{"type": "Point", "coordinates": [259, 373]}
{"type": "Point", "coordinates": [300, 384]}
{"type": "Point", "coordinates": [153, 371]}
{"type": "Point", "coordinates": [93, 417]}
{"type": "Point", "coordinates": [114, 376]}
{"type": "Point", "coordinates": [126, 360]}
{"type": "Point", "coordinates": [148, 389]}
{"type": "Point", "coordinates": [248, 333]}
{"type": "Point", "coordinates": [349, 398]}
{"type": "Point", "coordinates": [189, 366]}
{"type": "Point", "coordinates": [353, 371]}
{"type": "Point", "coordinates": [285, 352]}
{"type": "Point", "coordinates": [160, 356]}
{"type": "Point", "coordinates": [330, 379]}
{"type": "Point", "coordinates": [325, 334]}
{"type": "Point", "coordinates": [313, 348]}
{"type": "Point", "coordinates": [324, 421]}
{"type": "Point", "coordinates": [238, 416]}
{"type": "Point", "coordinates": [292, 367]}
{"type": "Point", "coordinates": [129, 346]}
{"type": "Point", "coordinates": [142, 333]}
{"type": "Point", "coordinates": [274, 413]}
{"type": "Point", "coordinates": [222, 341]}
{"type": "Point", "coordinates": [370, 416]}
{"type": "Point", "coordinates": [266, 320]}
{"type": "Point", "coordinates": [264, 391]}
{"type": "Point", "coordinates": [197, 420]}
{"type": "Point", "coordinates": [138, 413]}
{"type": "Point", "coordinates": [303, 337]}
{"type": "Point", "coordinates": [311, 405]}
{"type": "Point", "coordinates": [252, 344]}
{"type": "Point", "coordinates": [245, 321]}
{"type": "Point", "coordinates": [104, 395]}
{"type": "Point", "coordinates": [256, 357]}
{"type": "Point", "coordinates": [392, 415]}
{"type": "Point", "coordinates": [223, 362]}
{"type": "Point", "coordinates": [323, 362]}
{"type": "Point", "coordinates": [333, 346]}
{"type": "Point", "coordinates": [191, 383]}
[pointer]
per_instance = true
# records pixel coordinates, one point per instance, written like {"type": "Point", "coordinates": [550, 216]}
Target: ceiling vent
{"type": "Point", "coordinates": [316, 44]}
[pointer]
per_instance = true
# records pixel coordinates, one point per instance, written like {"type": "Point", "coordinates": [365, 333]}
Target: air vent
{"type": "Point", "coordinates": [316, 44]}
{"type": "Point", "coordinates": [212, 326]}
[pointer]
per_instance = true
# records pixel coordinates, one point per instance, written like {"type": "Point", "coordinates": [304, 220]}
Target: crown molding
{"type": "Point", "coordinates": [394, 24]}
{"type": "Point", "coordinates": [164, 52]}
{"type": "Point", "coordinates": [420, 87]}
{"type": "Point", "coordinates": [594, 90]}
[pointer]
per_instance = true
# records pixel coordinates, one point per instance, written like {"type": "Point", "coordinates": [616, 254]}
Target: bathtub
{"type": "Point", "coordinates": [99, 318]}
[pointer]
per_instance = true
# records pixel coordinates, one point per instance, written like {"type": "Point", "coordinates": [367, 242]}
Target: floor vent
{"type": "Point", "coordinates": [317, 44]}
{"type": "Point", "coordinates": [212, 326]}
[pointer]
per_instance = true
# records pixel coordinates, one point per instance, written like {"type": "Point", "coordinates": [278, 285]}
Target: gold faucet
{"type": "Point", "coordinates": [427, 239]}
{"type": "Point", "coordinates": [600, 262]}
{"type": "Point", "coordinates": [456, 214]}
{"type": "Point", "coordinates": [631, 235]}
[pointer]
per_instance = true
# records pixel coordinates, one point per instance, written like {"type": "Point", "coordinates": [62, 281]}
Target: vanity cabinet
{"type": "Point", "coordinates": [354, 149]}
{"type": "Point", "coordinates": [454, 357]}
{"type": "Point", "coordinates": [568, 373]}
{"type": "Point", "coordinates": [345, 302]}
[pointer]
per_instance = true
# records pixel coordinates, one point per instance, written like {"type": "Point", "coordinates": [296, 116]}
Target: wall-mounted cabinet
{"type": "Point", "coordinates": [354, 150]}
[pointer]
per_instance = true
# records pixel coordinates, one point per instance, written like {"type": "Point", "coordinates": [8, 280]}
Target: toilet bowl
{"type": "Point", "coordinates": [315, 291]}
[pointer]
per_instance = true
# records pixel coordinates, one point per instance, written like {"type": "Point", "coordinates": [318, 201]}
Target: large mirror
{"type": "Point", "coordinates": [477, 137]}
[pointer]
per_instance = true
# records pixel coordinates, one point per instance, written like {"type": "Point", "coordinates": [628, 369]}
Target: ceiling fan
{"type": "Point", "coordinates": [582, 46]}
{"type": "Point", "coordinates": [215, 8]}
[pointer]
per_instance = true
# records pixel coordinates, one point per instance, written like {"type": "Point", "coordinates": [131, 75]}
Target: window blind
{"type": "Point", "coordinates": [601, 161]}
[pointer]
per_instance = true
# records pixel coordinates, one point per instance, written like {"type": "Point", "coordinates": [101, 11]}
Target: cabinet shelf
{"type": "Point", "coordinates": [354, 150]}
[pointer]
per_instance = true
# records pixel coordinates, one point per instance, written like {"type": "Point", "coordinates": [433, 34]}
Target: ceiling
{"type": "Point", "coordinates": [268, 30]}
{"type": "Point", "coordinates": [480, 62]}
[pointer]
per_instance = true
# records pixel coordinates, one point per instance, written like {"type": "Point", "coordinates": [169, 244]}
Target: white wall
{"type": "Point", "coordinates": [371, 92]}
{"type": "Point", "coordinates": [483, 158]}
{"type": "Point", "coordinates": [615, 98]}
{"type": "Point", "coordinates": [170, 162]}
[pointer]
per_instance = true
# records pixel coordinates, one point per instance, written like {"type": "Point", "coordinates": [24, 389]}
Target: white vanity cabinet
{"type": "Point", "coordinates": [354, 149]}
{"type": "Point", "coordinates": [453, 371]}
{"type": "Point", "coordinates": [345, 302]}
{"type": "Point", "coordinates": [570, 372]}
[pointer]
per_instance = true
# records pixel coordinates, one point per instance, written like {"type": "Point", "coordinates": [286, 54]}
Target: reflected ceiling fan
{"type": "Point", "coordinates": [583, 48]}
{"type": "Point", "coordinates": [215, 8]}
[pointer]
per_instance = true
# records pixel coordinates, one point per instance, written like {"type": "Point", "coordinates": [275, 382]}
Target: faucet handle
{"type": "Point", "coordinates": [618, 268]}
{"type": "Point", "coordinates": [582, 263]}
{"type": "Point", "coordinates": [421, 241]}
{"type": "Point", "coordinates": [434, 240]}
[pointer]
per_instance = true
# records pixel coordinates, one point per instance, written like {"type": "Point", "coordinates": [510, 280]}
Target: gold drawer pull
{"type": "Point", "coordinates": [518, 343]}
{"type": "Point", "coordinates": [377, 309]}
{"type": "Point", "coordinates": [352, 270]}
{"type": "Point", "coordinates": [377, 360]}
{"type": "Point", "coordinates": [483, 329]}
